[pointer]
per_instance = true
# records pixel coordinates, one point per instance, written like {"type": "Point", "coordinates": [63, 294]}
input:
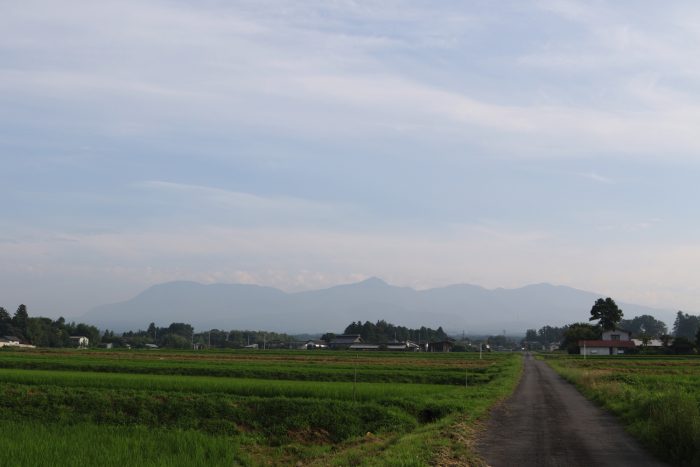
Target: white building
{"type": "Point", "coordinates": [80, 342]}
{"type": "Point", "coordinates": [613, 342]}
{"type": "Point", "coordinates": [9, 341]}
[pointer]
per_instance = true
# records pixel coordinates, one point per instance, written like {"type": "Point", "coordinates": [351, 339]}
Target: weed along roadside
{"type": "Point", "coordinates": [240, 408]}
{"type": "Point", "coordinates": [656, 398]}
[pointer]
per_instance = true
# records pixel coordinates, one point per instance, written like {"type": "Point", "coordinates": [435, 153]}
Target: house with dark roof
{"type": "Point", "coordinates": [612, 342]}
{"type": "Point", "coordinates": [344, 341]}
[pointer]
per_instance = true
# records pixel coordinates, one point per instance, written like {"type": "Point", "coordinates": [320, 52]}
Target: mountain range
{"type": "Point", "coordinates": [457, 308]}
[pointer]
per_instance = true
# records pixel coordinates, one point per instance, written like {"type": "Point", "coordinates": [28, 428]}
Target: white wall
{"type": "Point", "coordinates": [595, 351]}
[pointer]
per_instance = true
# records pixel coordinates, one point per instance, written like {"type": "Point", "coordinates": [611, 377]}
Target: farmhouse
{"type": "Point", "coordinates": [613, 342]}
{"type": "Point", "coordinates": [80, 342]}
{"type": "Point", "coordinates": [344, 341]}
{"type": "Point", "coordinates": [9, 341]}
{"type": "Point", "coordinates": [12, 341]}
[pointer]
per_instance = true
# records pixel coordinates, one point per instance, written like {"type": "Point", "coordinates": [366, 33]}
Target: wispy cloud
{"type": "Point", "coordinates": [597, 177]}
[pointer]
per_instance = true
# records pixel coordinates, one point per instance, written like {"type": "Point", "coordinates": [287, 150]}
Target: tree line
{"type": "Point", "coordinates": [41, 331]}
{"type": "Point", "coordinates": [183, 336]}
{"type": "Point", "coordinates": [382, 332]}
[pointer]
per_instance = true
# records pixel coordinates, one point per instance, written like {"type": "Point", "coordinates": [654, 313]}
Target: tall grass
{"type": "Point", "coordinates": [656, 398]}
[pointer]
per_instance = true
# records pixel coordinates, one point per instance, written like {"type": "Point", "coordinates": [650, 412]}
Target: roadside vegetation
{"type": "Point", "coordinates": [657, 398]}
{"type": "Point", "coordinates": [63, 407]}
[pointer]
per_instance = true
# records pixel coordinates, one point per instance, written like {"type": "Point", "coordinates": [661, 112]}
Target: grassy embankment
{"type": "Point", "coordinates": [656, 397]}
{"type": "Point", "coordinates": [246, 408]}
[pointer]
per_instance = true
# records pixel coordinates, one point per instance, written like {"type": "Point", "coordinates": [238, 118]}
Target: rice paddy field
{"type": "Point", "coordinates": [245, 407]}
{"type": "Point", "coordinates": [656, 397]}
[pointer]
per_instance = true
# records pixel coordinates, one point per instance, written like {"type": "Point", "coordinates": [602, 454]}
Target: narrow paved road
{"type": "Point", "coordinates": [548, 422]}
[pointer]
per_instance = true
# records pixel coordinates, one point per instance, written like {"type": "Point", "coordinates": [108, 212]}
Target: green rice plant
{"type": "Point", "coordinates": [30, 443]}
{"type": "Point", "coordinates": [278, 407]}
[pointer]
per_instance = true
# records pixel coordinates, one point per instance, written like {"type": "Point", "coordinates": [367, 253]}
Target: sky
{"type": "Point", "coordinates": [303, 144]}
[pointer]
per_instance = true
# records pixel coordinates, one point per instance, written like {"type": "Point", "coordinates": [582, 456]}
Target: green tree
{"type": "Point", "coordinates": [682, 346]}
{"type": "Point", "coordinates": [181, 329]}
{"type": "Point", "coordinates": [91, 332]}
{"type": "Point", "coordinates": [175, 341]}
{"type": "Point", "coordinates": [549, 334]}
{"type": "Point", "coordinates": [607, 313]}
{"type": "Point", "coordinates": [19, 320]}
{"type": "Point", "coordinates": [5, 322]}
{"type": "Point", "coordinates": [329, 336]}
{"type": "Point", "coordinates": [644, 325]}
{"type": "Point", "coordinates": [152, 331]}
{"type": "Point", "coordinates": [577, 332]}
{"type": "Point", "coordinates": [686, 325]}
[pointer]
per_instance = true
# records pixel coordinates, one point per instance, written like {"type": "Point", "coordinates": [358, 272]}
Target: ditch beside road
{"type": "Point", "coordinates": [547, 422]}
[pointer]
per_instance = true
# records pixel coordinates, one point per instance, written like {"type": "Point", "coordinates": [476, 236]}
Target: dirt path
{"type": "Point", "coordinates": [548, 422]}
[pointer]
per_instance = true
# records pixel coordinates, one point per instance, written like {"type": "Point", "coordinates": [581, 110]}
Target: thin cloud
{"type": "Point", "coordinates": [597, 177]}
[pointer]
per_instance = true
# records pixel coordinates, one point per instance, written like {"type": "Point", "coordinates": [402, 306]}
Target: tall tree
{"type": "Point", "coordinates": [5, 322]}
{"type": "Point", "coordinates": [606, 312]}
{"type": "Point", "coordinates": [19, 320]}
{"type": "Point", "coordinates": [686, 325]}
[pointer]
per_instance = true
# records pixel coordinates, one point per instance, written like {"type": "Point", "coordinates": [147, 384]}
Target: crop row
{"type": "Point", "coordinates": [275, 418]}
{"type": "Point", "coordinates": [363, 371]}
{"type": "Point", "coordinates": [380, 392]}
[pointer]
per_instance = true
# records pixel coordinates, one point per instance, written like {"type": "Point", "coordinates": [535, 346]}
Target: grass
{"type": "Point", "coordinates": [248, 408]}
{"type": "Point", "coordinates": [656, 397]}
{"type": "Point", "coordinates": [28, 444]}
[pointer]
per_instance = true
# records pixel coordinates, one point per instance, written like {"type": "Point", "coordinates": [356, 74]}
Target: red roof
{"type": "Point", "coordinates": [601, 343]}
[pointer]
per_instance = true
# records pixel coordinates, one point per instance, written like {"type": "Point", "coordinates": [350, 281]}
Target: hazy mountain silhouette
{"type": "Point", "coordinates": [460, 307]}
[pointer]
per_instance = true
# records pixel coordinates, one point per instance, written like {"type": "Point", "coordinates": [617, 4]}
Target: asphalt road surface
{"type": "Point", "coordinates": [547, 422]}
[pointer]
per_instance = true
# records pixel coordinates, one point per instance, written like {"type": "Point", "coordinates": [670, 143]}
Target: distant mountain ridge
{"type": "Point", "coordinates": [458, 307]}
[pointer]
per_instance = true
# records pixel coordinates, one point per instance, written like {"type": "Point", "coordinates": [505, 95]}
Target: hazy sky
{"type": "Point", "coordinates": [305, 144]}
